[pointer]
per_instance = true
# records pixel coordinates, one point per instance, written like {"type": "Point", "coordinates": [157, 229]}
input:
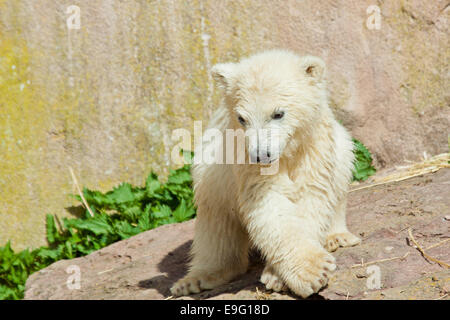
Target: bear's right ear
{"type": "Point", "coordinates": [223, 74]}
{"type": "Point", "coordinates": [313, 68]}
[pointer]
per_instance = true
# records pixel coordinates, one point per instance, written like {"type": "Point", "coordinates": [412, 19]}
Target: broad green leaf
{"type": "Point", "coordinates": [363, 162]}
{"type": "Point", "coordinates": [95, 226]}
{"type": "Point", "coordinates": [122, 194]}
{"type": "Point", "coordinates": [183, 212]}
{"type": "Point", "coordinates": [51, 229]}
{"type": "Point", "coordinates": [163, 211]}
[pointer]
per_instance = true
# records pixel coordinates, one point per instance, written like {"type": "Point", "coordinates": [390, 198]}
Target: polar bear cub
{"type": "Point", "coordinates": [295, 216]}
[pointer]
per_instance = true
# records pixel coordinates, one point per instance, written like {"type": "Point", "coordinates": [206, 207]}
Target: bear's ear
{"type": "Point", "coordinates": [223, 74]}
{"type": "Point", "coordinates": [313, 67]}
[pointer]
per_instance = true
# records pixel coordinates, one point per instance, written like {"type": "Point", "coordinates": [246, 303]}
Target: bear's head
{"type": "Point", "coordinates": [277, 97]}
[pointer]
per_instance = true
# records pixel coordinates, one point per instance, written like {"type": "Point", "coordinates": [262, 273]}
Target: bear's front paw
{"type": "Point", "coordinates": [312, 274]}
{"type": "Point", "coordinates": [272, 280]}
{"type": "Point", "coordinates": [196, 284]}
{"type": "Point", "coordinates": [344, 239]}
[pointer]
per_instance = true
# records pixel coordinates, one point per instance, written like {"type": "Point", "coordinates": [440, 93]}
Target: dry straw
{"type": "Point", "coordinates": [74, 178]}
{"type": "Point", "coordinates": [424, 254]}
{"type": "Point", "coordinates": [414, 169]}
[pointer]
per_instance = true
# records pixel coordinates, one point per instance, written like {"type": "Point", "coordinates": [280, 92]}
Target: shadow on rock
{"type": "Point", "coordinates": [174, 265]}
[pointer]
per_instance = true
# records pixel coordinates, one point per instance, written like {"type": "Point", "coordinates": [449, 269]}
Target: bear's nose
{"type": "Point", "coordinates": [258, 159]}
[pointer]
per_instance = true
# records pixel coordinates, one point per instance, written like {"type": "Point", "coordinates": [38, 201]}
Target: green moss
{"type": "Point", "coordinates": [22, 114]}
{"type": "Point", "coordinates": [30, 121]}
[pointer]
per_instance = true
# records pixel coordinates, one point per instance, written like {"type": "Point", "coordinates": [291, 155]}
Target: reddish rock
{"type": "Point", "coordinates": [145, 266]}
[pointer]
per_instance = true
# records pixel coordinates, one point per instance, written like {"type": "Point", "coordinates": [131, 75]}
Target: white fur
{"type": "Point", "coordinates": [294, 217]}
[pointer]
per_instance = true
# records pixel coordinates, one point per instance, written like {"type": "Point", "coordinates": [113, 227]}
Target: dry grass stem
{"type": "Point", "coordinates": [79, 192]}
{"type": "Point", "coordinates": [430, 165]}
{"type": "Point", "coordinates": [424, 254]}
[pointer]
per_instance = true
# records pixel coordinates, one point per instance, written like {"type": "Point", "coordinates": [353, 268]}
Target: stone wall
{"type": "Point", "coordinates": [105, 98]}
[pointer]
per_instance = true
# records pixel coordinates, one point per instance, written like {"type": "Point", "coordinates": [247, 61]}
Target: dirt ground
{"type": "Point", "coordinates": [145, 266]}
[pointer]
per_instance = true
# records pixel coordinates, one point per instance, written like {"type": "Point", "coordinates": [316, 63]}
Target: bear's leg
{"type": "Point", "coordinates": [338, 235]}
{"type": "Point", "coordinates": [290, 242]}
{"type": "Point", "coordinates": [219, 250]}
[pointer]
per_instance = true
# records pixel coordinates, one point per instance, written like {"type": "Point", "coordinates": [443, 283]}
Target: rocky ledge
{"type": "Point", "coordinates": [385, 216]}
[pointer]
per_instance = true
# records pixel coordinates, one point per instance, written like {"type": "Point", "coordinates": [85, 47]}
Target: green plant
{"type": "Point", "coordinates": [363, 162]}
{"type": "Point", "coordinates": [118, 214]}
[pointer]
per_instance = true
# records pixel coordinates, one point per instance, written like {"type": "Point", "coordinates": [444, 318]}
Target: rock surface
{"type": "Point", "coordinates": [105, 98]}
{"type": "Point", "coordinates": [145, 266]}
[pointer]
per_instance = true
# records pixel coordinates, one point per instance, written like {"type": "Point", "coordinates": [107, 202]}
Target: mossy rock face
{"type": "Point", "coordinates": [105, 98]}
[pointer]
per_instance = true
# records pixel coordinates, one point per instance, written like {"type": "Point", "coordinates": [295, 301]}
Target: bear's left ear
{"type": "Point", "coordinates": [313, 67]}
{"type": "Point", "coordinates": [223, 74]}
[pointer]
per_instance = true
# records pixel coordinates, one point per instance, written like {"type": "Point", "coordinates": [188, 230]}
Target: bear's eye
{"type": "Point", "coordinates": [277, 115]}
{"type": "Point", "coordinates": [241, 120]}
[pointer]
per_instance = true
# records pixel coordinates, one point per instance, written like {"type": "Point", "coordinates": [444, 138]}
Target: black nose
{"type": "Point", "coordinates": [258, 159]}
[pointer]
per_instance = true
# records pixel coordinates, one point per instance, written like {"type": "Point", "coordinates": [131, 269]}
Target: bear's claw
{"type": "Point", "coordinates": [344, 239]}
{"type": "Point", "coordinates": [272, 280]}
{"type": "Point", "coordinates": [313, 275]}
{"type": "Point", "coordinates": [197, 283]}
